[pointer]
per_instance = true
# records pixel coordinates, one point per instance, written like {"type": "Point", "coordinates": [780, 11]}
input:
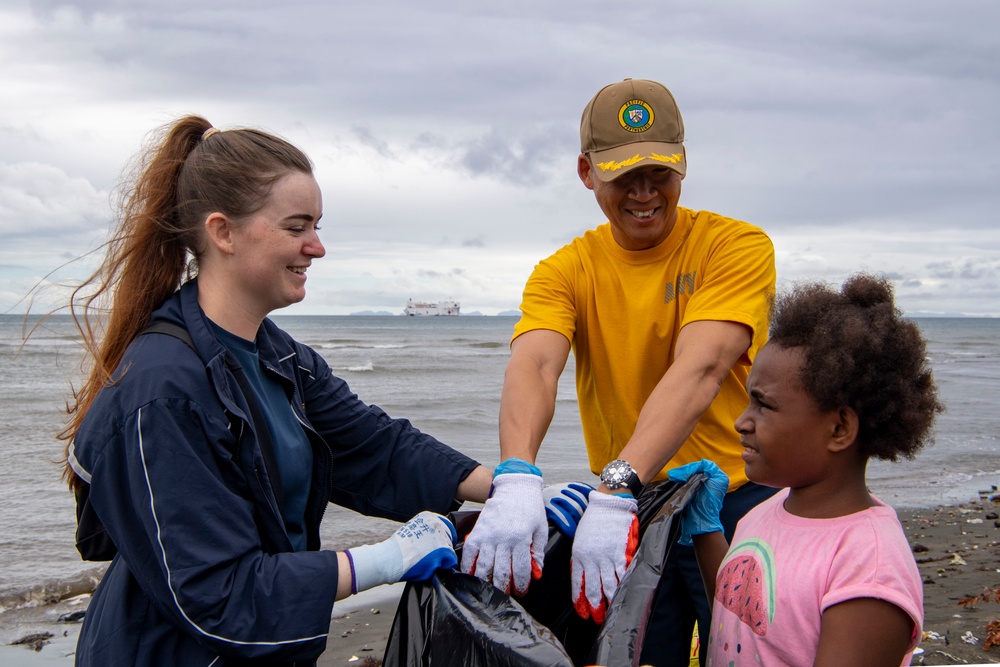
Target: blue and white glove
{"type": "Point", "coordinates": [701, 516]}
{"type": "Point", "coordinates": [421, 546]}
{"type": "Point", "coordinates": [507, 544]}
{"type": "Point", "coordinates": [565, 503]}
{"type": "Point", "coordinates": [605, 544]}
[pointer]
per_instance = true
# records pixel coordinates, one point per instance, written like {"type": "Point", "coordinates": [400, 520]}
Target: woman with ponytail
{"type": "Point", "coordinates": [205, 443]}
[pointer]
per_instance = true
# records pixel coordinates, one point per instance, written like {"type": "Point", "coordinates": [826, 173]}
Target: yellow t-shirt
{"type": "Point", "coordinates": [622, 311]}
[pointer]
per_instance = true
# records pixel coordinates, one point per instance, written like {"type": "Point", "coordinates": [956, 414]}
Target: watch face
{"type": "Point", "coordinates": [615, 474]}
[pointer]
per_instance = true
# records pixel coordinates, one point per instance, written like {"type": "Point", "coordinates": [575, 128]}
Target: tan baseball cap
{"type": "Point", "coordinates": [630, 124]}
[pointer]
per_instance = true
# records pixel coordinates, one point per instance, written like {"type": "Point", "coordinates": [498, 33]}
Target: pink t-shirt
{"type": "Point", "coordinates": [782, 571]}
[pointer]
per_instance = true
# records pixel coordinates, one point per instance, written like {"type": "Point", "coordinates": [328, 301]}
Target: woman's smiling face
{"type": "Point", "coordinates": [277, 244]}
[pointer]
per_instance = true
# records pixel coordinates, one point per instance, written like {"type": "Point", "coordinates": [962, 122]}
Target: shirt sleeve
{"type": "Point", "coordinates": [738, 283]}
{"type": "Point", "coordinates": [890, 574]}
{"type": "Point", "coordinates": [549, 298]}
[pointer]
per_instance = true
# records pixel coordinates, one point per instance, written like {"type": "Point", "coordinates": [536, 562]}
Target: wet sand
{"type": "Point", "coordinates": [958, 553]}
{"type": "Point", "coordinates": [957, 550]}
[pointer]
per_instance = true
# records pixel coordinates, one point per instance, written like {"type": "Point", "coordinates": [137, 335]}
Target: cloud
{"type": "Point", "coordinates": [39, 201]}
{"type": "Point", "coordinates": [982, 269]}
{"type": "Point", "coordinates": [857, 134]}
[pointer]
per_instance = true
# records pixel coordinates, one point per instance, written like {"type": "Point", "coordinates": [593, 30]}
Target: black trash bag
{"type": "Point", "coordinates": [617, 641]}
{"type": "Point", "coordinates": [621, 637]}
{"type": "Point", "coordinates": [457, 619]}
{"type": "Point", "coordinates": [549, 600]}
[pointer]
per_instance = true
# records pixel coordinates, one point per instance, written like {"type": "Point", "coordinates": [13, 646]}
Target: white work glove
{"type": "Point", "coordinates": [606, 542]}
{"type": "Point", "coordinates": [565, 503]}
{"type": "Point", "coordinates": [421, 546]}
{"type": "Point", "coordinates": [507, 544]}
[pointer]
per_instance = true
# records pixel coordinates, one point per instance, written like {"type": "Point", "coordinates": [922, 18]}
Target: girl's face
{"type": "Point", "coordinates": [785, 436]}
{"type": "Point", "coordinates": [277, 244]}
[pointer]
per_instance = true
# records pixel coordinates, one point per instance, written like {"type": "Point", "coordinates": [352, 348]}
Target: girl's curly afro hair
{"type": "Point", "coordinates": [860, 352]}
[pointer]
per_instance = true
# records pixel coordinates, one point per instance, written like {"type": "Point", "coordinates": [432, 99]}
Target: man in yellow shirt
{"type": "Point", "coordinates": [664, 309]}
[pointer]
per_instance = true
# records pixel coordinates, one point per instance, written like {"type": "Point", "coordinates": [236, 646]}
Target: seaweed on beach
{"type": "Point", "coordinates": [993, 627]}
{"type": "Point", "coordinates": [34, 641]}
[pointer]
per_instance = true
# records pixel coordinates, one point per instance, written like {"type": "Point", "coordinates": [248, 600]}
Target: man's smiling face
{"type": "Point", "coordinates": [641, 204]}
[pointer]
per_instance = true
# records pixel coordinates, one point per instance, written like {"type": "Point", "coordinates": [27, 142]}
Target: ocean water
{"type": "Point", "coordinates": [444, 374]}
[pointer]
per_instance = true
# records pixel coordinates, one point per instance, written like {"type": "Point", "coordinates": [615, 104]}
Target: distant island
{"type": "Point", "coordinates": [474, 313]}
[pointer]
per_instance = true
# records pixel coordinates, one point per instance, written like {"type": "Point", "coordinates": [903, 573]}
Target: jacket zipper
{"type": "Point", "coordinates": [329, 467]}
{"type": "Point", "coordinates": [292, 403]}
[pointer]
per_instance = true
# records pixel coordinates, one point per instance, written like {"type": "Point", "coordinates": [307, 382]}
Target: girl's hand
{"type": "Point", "coordinates": [702, 514]}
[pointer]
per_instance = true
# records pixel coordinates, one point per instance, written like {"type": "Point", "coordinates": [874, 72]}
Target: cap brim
{"type": "Point", "coordinates": [612, 163]}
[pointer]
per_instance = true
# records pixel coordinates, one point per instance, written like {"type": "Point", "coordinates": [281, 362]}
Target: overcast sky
{"type": "Point", "coordinates": [860, 135]}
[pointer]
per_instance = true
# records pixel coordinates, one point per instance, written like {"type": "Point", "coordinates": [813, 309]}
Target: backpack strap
{"type": "Point", "coordinates": [170, 329]}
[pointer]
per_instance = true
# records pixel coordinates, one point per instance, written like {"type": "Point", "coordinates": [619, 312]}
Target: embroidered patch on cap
{"type": "Point", "coordinates": [635, 116]}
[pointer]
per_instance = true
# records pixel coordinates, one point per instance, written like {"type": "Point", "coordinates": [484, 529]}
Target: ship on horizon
{"type": "Point", "coordinates": [427, 308]}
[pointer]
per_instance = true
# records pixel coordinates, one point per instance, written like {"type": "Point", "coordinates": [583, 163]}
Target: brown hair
{"type": "Point", "coordinates": [185, 173]}
{"type": "Point", "coordinates": [860, 352]}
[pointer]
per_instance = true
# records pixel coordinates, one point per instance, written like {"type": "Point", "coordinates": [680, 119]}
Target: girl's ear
{"type": "Point", "coordinates": [219, 232]}
{"type": "Point", "coordinates": [845, 429]}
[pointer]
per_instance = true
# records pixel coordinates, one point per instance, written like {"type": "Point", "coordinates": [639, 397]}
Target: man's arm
{"type": "Point", "coordinates": [703, 355]}
{"type": "Point", "coordinates": [507, 545]}
{"type": "Point", "coordinates": [528, 398]}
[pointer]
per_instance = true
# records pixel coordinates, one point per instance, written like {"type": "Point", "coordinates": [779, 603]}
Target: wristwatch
{"type": "Point", "coordinates": [618, 474]}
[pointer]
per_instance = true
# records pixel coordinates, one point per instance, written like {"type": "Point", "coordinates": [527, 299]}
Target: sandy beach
{"type": "Point", "coordinates": [957, 549]}
{"type": "Point", "coordinates": [958, 553]}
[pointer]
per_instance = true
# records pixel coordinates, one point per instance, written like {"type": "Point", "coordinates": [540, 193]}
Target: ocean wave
{"type": "Point", "coordinates": [52, 591]}
{"type": "Point", "coordinates": [362, 346]}
{"type": "Point", "coordinates": [363, 368]}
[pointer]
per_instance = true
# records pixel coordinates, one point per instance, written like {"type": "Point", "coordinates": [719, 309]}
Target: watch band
{"type": "Point", "coordinates": [633, 484]}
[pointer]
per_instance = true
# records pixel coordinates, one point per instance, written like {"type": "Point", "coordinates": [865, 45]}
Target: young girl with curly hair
{"type": "Point", "coordinates": [821, 573]}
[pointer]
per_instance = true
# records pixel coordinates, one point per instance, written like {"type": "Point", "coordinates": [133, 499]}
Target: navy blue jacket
{"type": "Point", "coordinates": [205, 573]}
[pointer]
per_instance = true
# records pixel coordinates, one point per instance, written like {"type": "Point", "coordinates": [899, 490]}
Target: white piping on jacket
{"type": "Point", "coordinates": [163, 554]}
{"type": "Point", "coordinates": [75, 465]}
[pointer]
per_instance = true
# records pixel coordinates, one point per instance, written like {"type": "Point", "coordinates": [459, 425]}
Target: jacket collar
{"type": "Point", "coordinates": [183, 309]}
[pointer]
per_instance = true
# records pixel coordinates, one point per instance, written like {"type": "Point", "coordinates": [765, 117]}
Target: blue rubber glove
{"type": "Point", "coordinates": [565, 503]}
{"type": "Point", "coordinates": [420, 547]}
{"type": "Point", "coordinates": [702, 513]}
{"type": "Point", "coordinates": [507, 544]}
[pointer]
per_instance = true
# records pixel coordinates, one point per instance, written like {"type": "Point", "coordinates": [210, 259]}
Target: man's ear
{"type": "Point", "coordinates": [219, 232]}
{"type": "Point", "coordinates": [586, 171]}
{"type": "Point", "coordinates": [845, 429]}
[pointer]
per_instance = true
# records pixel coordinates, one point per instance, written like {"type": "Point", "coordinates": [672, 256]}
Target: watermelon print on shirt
{"type": "Point", "coordinates": [745, 584]}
